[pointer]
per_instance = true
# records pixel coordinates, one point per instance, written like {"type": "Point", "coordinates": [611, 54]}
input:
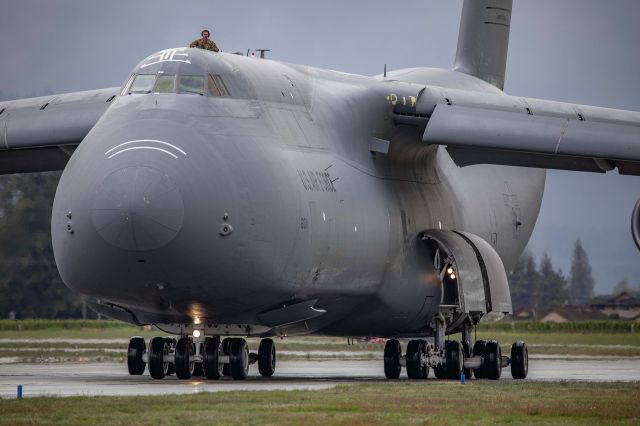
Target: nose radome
{"type": "Point", "coordinates": [138, 208]}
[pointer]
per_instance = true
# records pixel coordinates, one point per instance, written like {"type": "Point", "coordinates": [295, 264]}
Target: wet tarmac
{"type": "Point", "coordinates": [67, 379]}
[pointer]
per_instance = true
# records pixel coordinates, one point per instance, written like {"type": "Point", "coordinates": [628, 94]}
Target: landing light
{"type": "Point", "coordinates": [450, 271]}
{"type": "Point", "coordinates": [452, 276]}
{"type": "Point", "coordinates": [196, 333]}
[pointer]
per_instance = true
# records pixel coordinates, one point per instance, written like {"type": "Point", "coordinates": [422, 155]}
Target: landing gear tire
{"type": "Point", "coordinates": [226, 349]}
{"type": "Point", "coordinates": [478, 350]}
{"type": "Point", "coordinates": [492, 360]}
{"type": "Point", "coordinates": [137, 348]}
{"type": "Point", "coordinates": [440, 372]}
{"type": "Point", "coordinates": [198, 370]}
{"type": "Point", "coordinates": [415, 369]}
{"type": "Point", "coordinates": [239, 359]}
{"type": "Point", "coordinates": [466, 349]}
{"type": "Point", "coordinates": [454, 359]}
{"type": "Point", "coordinates": [185, 352]}
{"type": "Point", "coordinates": [392, 356]}
{"type": "Point", "coordinates": [211, 352]}
{"type": "Point", "coordinates": [172, 345]}
{"type": "Point", "coordinates": [267, 358]}
{"type": "Point", "coordinates": [519, 360]}
{"type": "Point", "coordinates": [158, 357]}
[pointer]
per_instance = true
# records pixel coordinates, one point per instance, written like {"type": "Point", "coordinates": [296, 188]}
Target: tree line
{"type": "Point", "coordinates": [542, 285]}
{"type": "Point", "coordinates": [30, 286]}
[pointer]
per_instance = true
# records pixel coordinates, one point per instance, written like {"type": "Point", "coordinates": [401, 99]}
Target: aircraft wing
{"type": "Point", "coordinates": [40, 134]}
{"type": "Point", "coordinates": [555, 136]}
{"type": "Point", "coordinates": [485, 136]}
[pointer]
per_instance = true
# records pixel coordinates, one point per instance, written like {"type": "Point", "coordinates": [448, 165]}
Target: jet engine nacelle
{"type": "Point", "coordinates": [473, 277]}
{"type": "Point", "coordinates": [635, 224]}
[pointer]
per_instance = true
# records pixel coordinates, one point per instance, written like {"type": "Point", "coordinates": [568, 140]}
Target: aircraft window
{"type": "Point", "coordinates": [217, 86]}
{"type": "Point", "coordinates": [142, 83]}
{"type": "Point", "coordinates": [191, 84]}
{"type": "Point", "coordinates": [165, 84]}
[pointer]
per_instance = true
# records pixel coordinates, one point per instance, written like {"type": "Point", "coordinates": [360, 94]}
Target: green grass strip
{"type": "Point", "coordinates": [393, 403]}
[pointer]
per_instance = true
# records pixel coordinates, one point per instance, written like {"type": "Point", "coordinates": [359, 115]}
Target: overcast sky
{"type": "Point", "coordinates": [583, 51]}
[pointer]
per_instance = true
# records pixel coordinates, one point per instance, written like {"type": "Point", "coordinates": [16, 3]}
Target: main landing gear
{"type": "Point", "coordinates": [450, 359]}
{"type": "Point", "coordinates": [485, 361]}
{"type": "Point", "coordinates": [209, 357]}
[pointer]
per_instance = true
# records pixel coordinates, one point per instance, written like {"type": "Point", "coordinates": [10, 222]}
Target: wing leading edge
{"type": "Point", "coordinates": [40, 134]}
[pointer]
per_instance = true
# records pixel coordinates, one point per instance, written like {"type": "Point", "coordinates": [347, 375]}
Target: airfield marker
{"type": "Point", "coordinates": [19, 391]}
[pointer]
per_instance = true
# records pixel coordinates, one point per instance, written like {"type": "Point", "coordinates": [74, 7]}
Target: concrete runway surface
{"type": "Point", "coordinates": [67, 379]}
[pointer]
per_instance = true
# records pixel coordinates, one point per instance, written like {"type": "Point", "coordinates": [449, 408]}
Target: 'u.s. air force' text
{"type": "Point", "coordinates": [316, 181]}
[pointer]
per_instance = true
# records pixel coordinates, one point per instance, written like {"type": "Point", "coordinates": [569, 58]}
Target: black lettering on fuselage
{"type": "Point", "coordinates": [316, 181]}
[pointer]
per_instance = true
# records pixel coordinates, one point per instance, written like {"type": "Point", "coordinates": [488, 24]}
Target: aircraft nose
{"type": "Point", "coordinates": [138, 208]}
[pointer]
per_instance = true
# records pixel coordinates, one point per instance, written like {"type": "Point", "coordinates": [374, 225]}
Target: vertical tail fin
{"type": "Point", "coordinates": [484, 40]}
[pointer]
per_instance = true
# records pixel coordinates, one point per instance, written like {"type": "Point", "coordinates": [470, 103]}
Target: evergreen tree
{"type": "Point", "coordinates": [552, 286]}
{"type": "Point", "coordinates": [523, 281]}
{"type": "Point", "coordinates": [581, 284]}
{"type": "Point", "coordinates": [29, 281]}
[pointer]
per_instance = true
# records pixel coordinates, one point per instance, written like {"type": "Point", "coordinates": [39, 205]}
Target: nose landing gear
{"type": "Point", "coordinates": [209, 357]}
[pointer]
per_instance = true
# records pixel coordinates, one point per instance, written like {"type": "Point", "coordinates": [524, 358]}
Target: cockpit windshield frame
{"type": "Point", "coordinates": [211, 85]}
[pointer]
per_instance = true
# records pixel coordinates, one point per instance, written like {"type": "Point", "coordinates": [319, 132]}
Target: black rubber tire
{"type": "Point", "coordinates": [478, 350]}
{"type": "Point", "coordinates": [239, 359]}
{"type": "Point", "coordinates": [440, 372]}
{"type": "Point", "coordinates": [492, 360]}
{"type": "Point", "coordinates": [226, 349]}
{"type": "Point", "coordinates": [415, 348]}
{"type": "Point", "coordinates": [172, 345]}
{"type": "Point", "coordinates": [198, 370]}
{"type": "Point", "coordinates": [185, 351]}
{"type": "Point", "coordinates": [455, 359]}
{"type": "Point", "coordinates": [267, 358]}
{"type": "Point", "coordinates": [466, 350]}
{"type": "Point", "coordinates": [392, 356]}
{"type": "Point", "coordinates": [135, 364]}
{"type": "Point", "coordinates": [211, 350]}
{"type": "Point", "coordinates": [424, 372]}
{"type": "Point", "coordinates": [519, 360]}
{"type": "Point", "coordinates": [158, 353]}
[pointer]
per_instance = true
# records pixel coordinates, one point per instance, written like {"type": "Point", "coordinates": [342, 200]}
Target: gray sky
{"type": "Point", "coordinates": [583, 51]}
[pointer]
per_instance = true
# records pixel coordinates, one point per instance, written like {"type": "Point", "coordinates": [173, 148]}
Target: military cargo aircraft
{"type": "Point", "coordinates": [216, 195]}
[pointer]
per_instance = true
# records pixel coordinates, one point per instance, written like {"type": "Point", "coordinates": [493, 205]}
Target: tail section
{"type": "Point", "coordinates": [484, 40]}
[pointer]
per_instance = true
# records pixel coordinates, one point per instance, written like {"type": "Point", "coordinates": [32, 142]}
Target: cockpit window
{"type": "Point", "coordinates": [211, 84]}
{"type": "Point", "coordinates": [165, 84]}
{"type": "Point", "coordinates": [217, 86]}
{"type": "Point", "coordinates": [191, 84]}
{"type": "Point", "coordinates": [142, 83]}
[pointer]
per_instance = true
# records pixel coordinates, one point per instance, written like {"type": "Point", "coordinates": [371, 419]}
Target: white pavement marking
{"type": "Point", "coordinates": [112, 378]}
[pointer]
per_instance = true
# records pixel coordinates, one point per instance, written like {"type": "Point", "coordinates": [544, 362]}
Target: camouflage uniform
{"type": "Point", "coordinates": [201, 43]}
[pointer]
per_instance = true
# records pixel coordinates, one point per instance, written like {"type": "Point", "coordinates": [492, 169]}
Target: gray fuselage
{"type": "Point", "coordinates": [185, 208]}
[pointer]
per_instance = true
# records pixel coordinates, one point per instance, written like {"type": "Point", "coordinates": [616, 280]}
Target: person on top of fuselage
{"type": "Point", "coordinates": [205, 42]}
